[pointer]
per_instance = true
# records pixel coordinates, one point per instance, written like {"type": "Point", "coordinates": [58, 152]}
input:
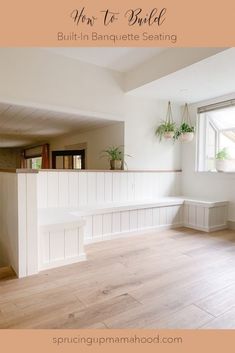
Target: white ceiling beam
{"type": "Point", "coordinates": [166, 63]}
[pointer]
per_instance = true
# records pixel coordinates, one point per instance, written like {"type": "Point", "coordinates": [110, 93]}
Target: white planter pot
{"type": "Point", "coordinates": [222, 165]}
{"type": "Point", "coordinates": [186, 137]}
{"type": "Point", "coordinates": [169, 135]}
{"type": "Point", "coordinates": [116, 164]}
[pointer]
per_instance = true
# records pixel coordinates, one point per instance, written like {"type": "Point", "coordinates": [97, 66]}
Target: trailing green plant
{"type": "Point", "coordinates": [182, 129]}
{"type": "Point", "coordinates": [164, 127]}
{"type": "Point", "coordinates": [222, 154]}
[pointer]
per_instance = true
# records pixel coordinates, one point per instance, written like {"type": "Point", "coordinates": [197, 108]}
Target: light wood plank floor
{"type": "Point", "coordinates": [171, 279]}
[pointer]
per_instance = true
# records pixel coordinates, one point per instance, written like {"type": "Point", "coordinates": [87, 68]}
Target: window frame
{"type": "Point", "coordinates": [69, 153]}
{"type": "Point", "coordinates": [202, 139]}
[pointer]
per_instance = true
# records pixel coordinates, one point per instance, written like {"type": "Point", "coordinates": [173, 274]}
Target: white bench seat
{"type": "Point", "coordinates": [61, 238]}
{"type": "Point", "coordinates": [108, 220]}
{"type": "Point", "coordinates": [205, 215]}
{"type": "Point", "coordinates": [64, 231]}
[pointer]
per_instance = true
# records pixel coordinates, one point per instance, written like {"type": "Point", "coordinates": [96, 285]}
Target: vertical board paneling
{"type": "Point", "coordinates": [125, 221]}
{"type": "Point", "coordinates": [97, 225]}
{"type": "Point", "coordinates": [141, 219]}
{"type": "Point", "coordinates": [134, 219]}
{"type": "Point", "coordinates": [22, 225]}
{"type": "Point", "coordinates": [108, 191]}
{"type": "Point", "coordinates": [53, 189]}
{"type": "Point", "coordinates": [100, 188]}
{"type": "Point", "coordinates": [192, 215]}
{"type": "Point", "coordinates": [71, 243]}
{"type": "Point", "coordinates": [45, 247]}
{"type": "Point", "coordinates": [200, 216]}
{"type": "Point", "coordinates": [57, 245]}
{"type": "Point", "coordinates": [77, 189]}
{"type": "Point", "coordinates": [116, 222]}
{"type": "Point", "coordinates": [63, 189]}
{"type": "Point", "coordinates": [149, 217]}
{"type": "Point", "coordinates": [88, 228]}
{"type": "Point", "coordinates": [130, 187]}
{"type": "Point", "coordinates": [156, 216]}
{"type": "Point", "coordinates": [159, 185]}
{"type": "Point", "coordinates": [148, 186]}
{"type": "Point", "coordinates": [73, 189]}
{"type": "Point", "coordinates": [82, 189]}
{"type": "Point", "coordinates": [32, 225]}
{"type": "Point", "coordinates": [91, 188]}
{"type": "Point", "coordinates": [107, 223]}
{"type": "Point", "coordinates": [116, 187]}
{"type": "Point", "coordinates": [123, 187]}
{"type": "Point", "coordinates": [138, 186]}
{"type": "Point", "coordinates": [163, 215]}
{"type": "Point", "coordinates": [169, 215]}
{"type": "Point", "coordinates": [42, 191]}
{"type": "Point", "coordinates": [186, 214]}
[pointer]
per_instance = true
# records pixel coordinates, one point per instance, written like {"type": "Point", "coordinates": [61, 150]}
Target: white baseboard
{"type": "Point", "coordinates": [155, 229]}
{"type": "Point", "coordinates": [231, 225]}
{"type": "Point", "coordinates": [207, 229]}
{"type": "Point", "coordinates": [63, 262]}
{"type": "Point", "coordinates": [133, 232]}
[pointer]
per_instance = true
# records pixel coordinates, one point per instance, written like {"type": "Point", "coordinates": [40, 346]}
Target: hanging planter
{"type": "Point", "coordinates": [166, 129]}
{"type": "Point", "coordinates": [185, 133]}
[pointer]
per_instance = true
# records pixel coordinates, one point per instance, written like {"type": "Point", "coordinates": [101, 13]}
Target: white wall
{"type": "Point", "coordinates": [96, 141]}
{"type": "Point", "coordinates": [41, 78]}
{"type": "Point", "coordinates": [9, 220]}
{"type": "Point", "coordinates": [27, 224]}
{"type": "Point", "coordinates": [138, 135]}
{"type": "Point", "coordinates": [18, 222]}
{"type": "Point", "coordinates": [142, 117]}
{"type": "Point", "coordinates": [206, 184]}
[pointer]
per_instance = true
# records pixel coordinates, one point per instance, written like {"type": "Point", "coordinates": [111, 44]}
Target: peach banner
{"type": "Point", "coordinates": [117, 23]}
{"type": "Point", "coordinates": [163, 341]}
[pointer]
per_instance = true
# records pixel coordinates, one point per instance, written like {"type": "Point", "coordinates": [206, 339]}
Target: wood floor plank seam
{"type": "Point", "coordinates": [206, 311]}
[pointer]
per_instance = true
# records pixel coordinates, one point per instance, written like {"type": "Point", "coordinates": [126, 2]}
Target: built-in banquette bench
{"type": "Point", "coordinates": [47, 216]}
{"type": "Point", "coordinates": [64, 231]}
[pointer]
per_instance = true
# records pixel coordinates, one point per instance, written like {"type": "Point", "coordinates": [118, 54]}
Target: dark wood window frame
{"type": "Point", "coordinates": [68, 153]}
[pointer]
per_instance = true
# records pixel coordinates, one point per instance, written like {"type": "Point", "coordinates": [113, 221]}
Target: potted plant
{"type": "Point", "coordinates": [222, 160]}
{"type": "Point", "coordinates": [167, 128]}
{"type": "Point", "coordinates": [185, 132]}
{"type": "Point", "coordinates": [115, 157]}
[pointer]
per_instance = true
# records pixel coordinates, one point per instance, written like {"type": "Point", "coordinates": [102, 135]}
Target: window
{"type": "Point", "coordinates": [36, 157]}
{"type": "Point", "coordinates": [69, 159]}
{"type": "Point", "coordinates": [216, 133]}
{"type": "Point", "coordinates": [34, 163]}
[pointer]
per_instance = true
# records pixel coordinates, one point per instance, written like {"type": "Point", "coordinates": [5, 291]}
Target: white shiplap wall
{"type": "Point", "coordinates": [108, 225]}
{"type": "Point", "coordinates": [76, 189]}
{"type": "Point", "coordinates": [9, 221]}
{"type": "Point", "coordinates": [18, 222]}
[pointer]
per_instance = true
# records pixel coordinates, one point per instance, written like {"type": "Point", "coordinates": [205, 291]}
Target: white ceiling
{"type": "Point", "coordinates": [119, 59]}
{"type": "Point", "coordinates": [209, 78]}
{"type": "Point", "coordinates": [21, 125]}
